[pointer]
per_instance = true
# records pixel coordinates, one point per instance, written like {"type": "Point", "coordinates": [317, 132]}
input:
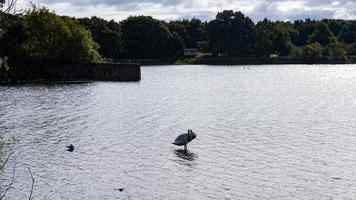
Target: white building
{"type": "Point", "coordinates": [190, 52]}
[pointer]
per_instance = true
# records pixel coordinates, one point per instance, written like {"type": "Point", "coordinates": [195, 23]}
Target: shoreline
{"type": "Point", "coordinates": [82, 73]}
{"type": "Point", "coordinates": [244, 61]}
{"type": "Point", "coordinates": [265, 64]}
{"type": "Point", "coordinates": [43, 82]}
{"type": "Point", "coordinates": [47, 72]}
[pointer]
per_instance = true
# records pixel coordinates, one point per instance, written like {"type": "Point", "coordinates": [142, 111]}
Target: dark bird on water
{"type": "Point", "coordinates": [185, 138]}
{"type": "Point", "coordinates": [119, 189]}
{"type": "Point", "coordinates": [70, 148]}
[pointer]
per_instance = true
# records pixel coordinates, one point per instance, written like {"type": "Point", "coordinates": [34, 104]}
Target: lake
{"type": "Point", "coordinates": [263, 132]}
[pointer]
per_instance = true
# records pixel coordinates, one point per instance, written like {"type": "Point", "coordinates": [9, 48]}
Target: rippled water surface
{"type": "Point", "coordinates": [264, 132]}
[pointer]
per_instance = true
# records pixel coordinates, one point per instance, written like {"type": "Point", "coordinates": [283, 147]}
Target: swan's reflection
{"type": "Point", "coordinates": [186, 155]}
{"type": "Point", "coordinates": [186, 158]}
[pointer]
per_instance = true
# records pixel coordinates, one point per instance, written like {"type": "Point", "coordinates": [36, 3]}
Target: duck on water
{"type": "Point", "coordinates": [184, 139]}
{"type": "Point", "coordinates": [70, 148]}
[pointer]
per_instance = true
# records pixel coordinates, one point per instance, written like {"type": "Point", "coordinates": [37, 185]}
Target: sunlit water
{"type": "Point", "coordinates": [264, 132]}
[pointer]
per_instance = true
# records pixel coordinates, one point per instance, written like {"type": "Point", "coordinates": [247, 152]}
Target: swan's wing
{"type": "Point", "coordinates": [181, 139]}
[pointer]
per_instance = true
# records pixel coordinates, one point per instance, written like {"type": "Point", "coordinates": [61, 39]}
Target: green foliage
{"type": "Point", "coordinates": [13, 37]}
{"type": "Point", "coordinates": [195, 29]}
{"type": "Point", "coordinates": [312, 51]}
{"type": "Point", "coordinates": [297, 53]}
{"type": "Point", "coordinates": [106, 33]}
{"type": "Point", "coordinates": [322, 34]}
{"type": "Point", "coordinates": [2, 26]}
{"type": "Point", "coordinates": [146, 38]}
{"type": "Point", "coordinates": [57, 38]}
{"type": "Point", "coordinates": [191, 31]}
{"type": "Point", "coordinates": [348, 33]}
{"type": "Point", "coordinates": [304, 29]}
{"type": "Point", "coordinates": [352, 49]}
{"type": "Point", "coordinates": [344, 30]}
{"type": "Point", "coordinates": [336, 52]}
{"type": "Point", "coordinates": [203, 46]}
{"type": "Point", "coordinates": [232, 34]}
{"type": "Point", "coordinates": [41, 34]}
{"type": "Point", "coordinates": [282, 34]}
{"type": "Point", "coordinates": [4, 65]}
{"type": "Point", "coordinates": [265, 38]}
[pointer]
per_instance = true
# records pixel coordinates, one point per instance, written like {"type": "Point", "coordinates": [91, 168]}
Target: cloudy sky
{"type": "Point", "coordinates": [203, 9]}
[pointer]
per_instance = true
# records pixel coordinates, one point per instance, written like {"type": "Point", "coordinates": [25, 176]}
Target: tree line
{"type": "Point", "coordinates": [230, 34]}
{"type": "Point", "coordinates": [41, 34]}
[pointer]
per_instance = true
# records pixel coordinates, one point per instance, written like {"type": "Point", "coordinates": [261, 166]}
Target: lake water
{"type": "Point", "coordinates": [263, 132]}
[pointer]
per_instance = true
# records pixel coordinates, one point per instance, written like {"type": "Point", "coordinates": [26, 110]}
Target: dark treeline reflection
{"type": "Point", "coordinates": [41, 34]}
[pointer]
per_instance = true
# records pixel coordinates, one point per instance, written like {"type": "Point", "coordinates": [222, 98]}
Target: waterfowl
{"type": "Point", "coordinates": [70, 148]}
{"type": "Point", "coordinates": [184, 139]}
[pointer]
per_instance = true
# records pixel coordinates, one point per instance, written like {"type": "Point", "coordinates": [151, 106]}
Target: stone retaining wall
{"type": "Point", "coordinates": [70, 71]}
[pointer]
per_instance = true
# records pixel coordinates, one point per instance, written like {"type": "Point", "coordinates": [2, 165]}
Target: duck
{"type": "Point", "coordinates": [184, 139]}
{"type": "Point", "coordinates": [70, 148]}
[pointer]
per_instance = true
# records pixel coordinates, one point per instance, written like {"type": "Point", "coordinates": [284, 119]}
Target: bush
{"type": "Point", "coordinates": [352, 49]}
{"type": "Point", "coordinates": [57, 38]}
{"type": "Point", "coordinates": [312, 52]}
{"type": "Point", "coordinates": [336, 52]}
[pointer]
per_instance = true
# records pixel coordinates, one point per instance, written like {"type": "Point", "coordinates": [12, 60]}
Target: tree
{"type": "Point", "coordinates": [347, 33]}
{"type": "Point", "coordinates": [9, 6]}
{"type": "Point", "coordinates": [195, 30]}
{"type": "Point", "coordinates": [232, 34]}
{"type": "Point", "coordinates": [305, 28]}
{"type": "Point", "coordinates": [352, 49]}
{"type": "Point", "coordinates": [191, 31]}
{"type": "Point", "coordinates": [336, 52]}
{"type": "Point", "coordinates": [40, 34]}
{"type": "Point", "coordinates": [147, 38]}
{"type": "Point", "coordinates": [57, 38]}
{"type": "Point", "coordinates": [312, 52]}
{"type": "Point", "coordinates": [334, 25]}
{"type": "Point", "coordinates": [322, 34]}
{"type": "Point", "coordinates": [282, 38]}
{"type": "Point", "coordinates": [106, 34]}
{"type": "Point", "coordinates": [265, 37]}
{"type": "Point", "coordinates": [11, 39]}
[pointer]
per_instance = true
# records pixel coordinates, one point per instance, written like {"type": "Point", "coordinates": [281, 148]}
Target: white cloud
{"type": "Point", "coordinates": [288, 6]}
{"type": "Point", "coordinates": [335, 3]}
{"type": "Point", "coordinates": [344, 14]}
{"type": "Point", "coordinates": [204, 9]}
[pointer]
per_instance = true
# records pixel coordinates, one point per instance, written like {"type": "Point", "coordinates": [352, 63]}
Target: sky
{"type": "Point", "coordinates": [202, 9]}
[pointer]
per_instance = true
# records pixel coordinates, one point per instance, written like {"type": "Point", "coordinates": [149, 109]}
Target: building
{"type": "Point", "coordinates": [274, 55]}
{"type": "Point", "coordinates": [190, 52]}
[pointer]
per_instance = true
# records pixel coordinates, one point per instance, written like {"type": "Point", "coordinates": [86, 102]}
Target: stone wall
{"type": "Point", "coordinates": [71, 71]}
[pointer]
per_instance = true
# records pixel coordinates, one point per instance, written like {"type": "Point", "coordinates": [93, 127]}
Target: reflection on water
{"type": "Point", "coordinates": [271, 132]}
{"type": "Point", "coordinates": [186, 158]}
{"type": "Point", "coordinates": [186, 155]}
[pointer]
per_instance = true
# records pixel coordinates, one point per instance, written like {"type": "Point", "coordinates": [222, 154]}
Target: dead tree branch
{"type": "Point", "coordinates": [9, 186]}
{"type": "Point", "coordinates": [33, 184]}
{"type": "Point", "coordinates": [6, 160]}
{"type": "Point", "coordinates": [11, 7]}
